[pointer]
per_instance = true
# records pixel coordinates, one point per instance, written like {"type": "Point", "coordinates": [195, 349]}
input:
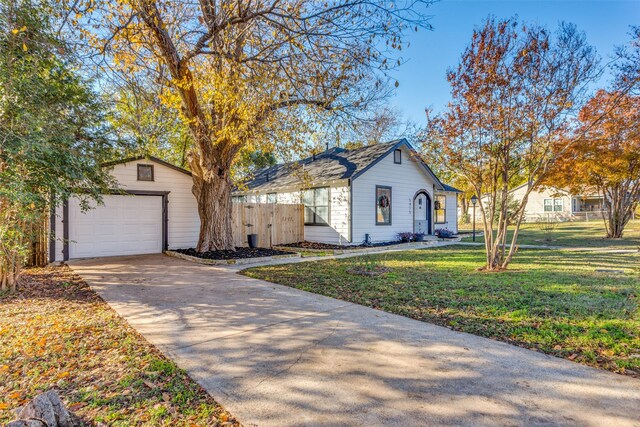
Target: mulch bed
{"type": "Point", "coordinates": [239, 253]}
{"type": "Point", "coordinates": [327, 246]}
{"type": "Point", "coordinates": [57, 334]}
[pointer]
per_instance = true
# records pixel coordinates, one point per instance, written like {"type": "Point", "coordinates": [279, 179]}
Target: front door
{"type": "Point", "coordinates": [422, 214]}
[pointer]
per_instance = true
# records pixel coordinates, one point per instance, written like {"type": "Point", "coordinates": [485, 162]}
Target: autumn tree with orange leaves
{"type": "Point", "coordinates": [605, 157]}
{"type": "Point", "coordinates": [250, 75]}
{"type": "Point", "coordinates": [512, 91]}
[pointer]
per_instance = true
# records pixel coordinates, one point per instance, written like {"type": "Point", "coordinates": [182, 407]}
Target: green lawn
{"type": "Point", "coordinates": [548, 300]}
{"type": "Point", "coordinates": [572, 234]}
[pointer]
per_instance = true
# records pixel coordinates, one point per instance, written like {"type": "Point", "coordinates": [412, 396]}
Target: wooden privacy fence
{"type": "Point", "coordinates": [275, 224]}
{"type": "Point", "coordinates": [37, 234]}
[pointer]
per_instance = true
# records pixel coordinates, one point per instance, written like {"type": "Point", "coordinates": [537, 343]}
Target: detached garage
{"type": "Point", "coordinates": [153, 211]}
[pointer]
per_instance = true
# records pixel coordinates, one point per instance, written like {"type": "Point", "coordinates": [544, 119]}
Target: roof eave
{"type": "Point", "coordinates": [151, 158]}
{"type": "Point", "coordinates": [400, 143]}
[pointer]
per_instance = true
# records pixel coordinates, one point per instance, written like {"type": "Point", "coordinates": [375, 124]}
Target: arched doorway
{"type": "Point", "coordinates": [422, 213]}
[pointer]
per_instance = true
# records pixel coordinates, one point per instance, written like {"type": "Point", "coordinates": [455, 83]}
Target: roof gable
{"type": "Point", "coordinates": [331, 165]}
{"type": "Point", "coordinates": [149, 158]}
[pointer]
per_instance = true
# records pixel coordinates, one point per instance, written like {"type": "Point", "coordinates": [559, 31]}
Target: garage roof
{"type": "Point", "coordinates": [149, 158]}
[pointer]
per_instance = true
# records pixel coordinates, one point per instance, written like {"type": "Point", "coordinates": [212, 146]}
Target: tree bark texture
{"type": "Point", "coordinates": [214, 208]}
{"type": "Point", "coordinates": [619, 204]}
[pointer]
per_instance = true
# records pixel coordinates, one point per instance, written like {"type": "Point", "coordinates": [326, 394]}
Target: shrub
{"type": "Point", "coordinates": [406, 236]}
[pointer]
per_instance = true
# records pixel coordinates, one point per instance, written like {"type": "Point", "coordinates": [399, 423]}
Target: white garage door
{"type": "Point", "coordinates": [125, 225]}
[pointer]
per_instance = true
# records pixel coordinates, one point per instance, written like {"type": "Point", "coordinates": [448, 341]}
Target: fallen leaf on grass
{"type": "Point", "coordinates": [76, 406]}
{"type": "Point", "coordinates": [149, 384]}
{"type": "Point", "coordinates": [92, 356]}
{"type": "Point", "coordinates": [573, 356]}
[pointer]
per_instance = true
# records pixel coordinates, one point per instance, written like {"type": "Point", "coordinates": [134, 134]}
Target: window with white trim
{"type": "Point", "coordinates": [316, 206]}
{"type": "Point", "coordinates": [440, 209]}
{"type": "Point", "coordinates": [553, 205]}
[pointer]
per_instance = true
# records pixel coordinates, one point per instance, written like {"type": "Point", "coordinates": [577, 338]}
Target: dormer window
{"type": "Point", "coordinates": [397, 157]}
{"type": "Point", "coordinates": [145, 172]}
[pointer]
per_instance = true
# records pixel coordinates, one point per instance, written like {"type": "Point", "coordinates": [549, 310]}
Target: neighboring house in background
{"type": "Point", "coordinates": [559, 204]}
{"type": "Point", "coordinates": [556, 203]}
{"type": "Point", "coordinates": [380, 191]}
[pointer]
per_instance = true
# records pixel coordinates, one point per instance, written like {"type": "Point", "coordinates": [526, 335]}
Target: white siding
{"type": "Point", "coordinates": [405, 180]}
{"type": "Point", "coordinates": [183, 219]}
{"type": "Point", "coordinates": [184, 222]}
{"type": "Point", "coordinates": [535, 203]}
{"type": "Point", "coordinates": [338, 230]}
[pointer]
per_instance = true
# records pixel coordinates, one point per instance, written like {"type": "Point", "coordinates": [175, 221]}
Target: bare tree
{"type": "Point", "coordinates": [382, 125]}
{"type": "Point", "coordinates": [253, 73]}
{"type": "Point", "coordinates": [627, 70]}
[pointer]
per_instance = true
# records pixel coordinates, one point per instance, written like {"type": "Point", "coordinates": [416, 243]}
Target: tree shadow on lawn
{"type": "Point", "coordinates": [58, 334]}
{"type": "Point", "coordinates": [553, 301]}
{"type": "Point", "coordinates": [57, 283]}
{"type": "Point", "coordinates": [577, 235]}
{"type": "Point", "coordinates": [274, 355]}
{"type": "Point", "coordinates": [340, 368]}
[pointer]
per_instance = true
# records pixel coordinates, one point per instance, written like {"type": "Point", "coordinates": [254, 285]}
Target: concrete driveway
{"type": "Point", "coordinates": [276, 356]}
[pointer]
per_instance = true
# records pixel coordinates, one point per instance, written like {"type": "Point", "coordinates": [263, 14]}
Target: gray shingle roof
{"type": "Point", "coordinates": [331, 165]}
{"type": "Point", "coordinates": [450, 188]}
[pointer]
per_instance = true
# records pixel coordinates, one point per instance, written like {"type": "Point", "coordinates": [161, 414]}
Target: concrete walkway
{"type": "Point", "coordinates": [276, 356]}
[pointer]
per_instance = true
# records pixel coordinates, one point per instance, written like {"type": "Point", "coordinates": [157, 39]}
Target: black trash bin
{"type": "Point", "coordinates": [252, 239]}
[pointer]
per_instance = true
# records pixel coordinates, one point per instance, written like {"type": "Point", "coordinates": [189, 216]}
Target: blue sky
{"type": "Point", "coordinates": [422, 78]}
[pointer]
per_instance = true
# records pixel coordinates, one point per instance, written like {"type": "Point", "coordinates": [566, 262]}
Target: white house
{"type": "Point", "coordinates": [379, 190]}
{"type": "Point", "coordinates": [556, 203]}
{"type": "Point", "coordinates": [156, 212]}
{"type": "Point", "coordinates": [559, 203]}
{"type": "Point", "coordinates": [373, 192]}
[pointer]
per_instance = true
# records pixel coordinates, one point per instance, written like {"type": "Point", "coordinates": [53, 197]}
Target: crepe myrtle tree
{"type": "Point", "coordinates": [512, 91]}
{"type": "Point", "coordinates": [248, 75]}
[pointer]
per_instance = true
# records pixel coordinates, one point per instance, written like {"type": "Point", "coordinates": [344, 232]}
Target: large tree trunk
{"type": "Point", "coordinates": [214, 208]}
